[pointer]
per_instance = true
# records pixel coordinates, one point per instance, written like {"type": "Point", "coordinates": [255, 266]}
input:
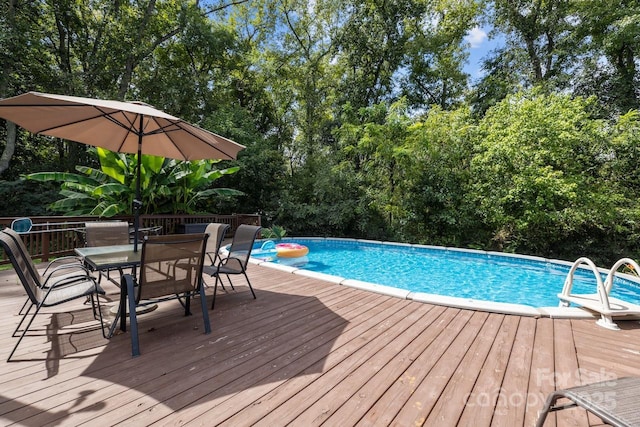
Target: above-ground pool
{"type": "Point", "coordinates": [451, 272]}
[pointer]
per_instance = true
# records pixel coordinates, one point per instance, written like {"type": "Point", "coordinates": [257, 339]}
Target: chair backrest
{"type": "Point", "coordinates": [107, 233]}
{"type": "Point", "coordinates": [23, 253]}
{"type": "Point", "coordinates": [22, 225]}
{"type": "Point", "coordinates": [242, 243]}
{"type": "Point", "coordinates": [20, 265]}
{"type": "Point", "coordinates": [216, 232]}
{"type": "Point", "coordinates": [171, 264]}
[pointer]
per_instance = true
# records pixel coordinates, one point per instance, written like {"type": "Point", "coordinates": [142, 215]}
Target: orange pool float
{"type": "Point", "coordinates": [291, 250]}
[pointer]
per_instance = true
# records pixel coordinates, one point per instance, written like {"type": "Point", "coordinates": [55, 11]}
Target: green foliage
{"type": "Point", "coordinates": [167, 186]}
{"type": "Point", "coordinates": [539, 33]}
{"type": "Point", "coordinates": [442, 149]}
{"type": "Point", "coordinates": [20, 198]}
{"type": "Point", "coordinates": [610, 30]}
{"type": "Point", "coordinates": [535, 177]}
{"type": "Point", "coordinates": [274, 232]}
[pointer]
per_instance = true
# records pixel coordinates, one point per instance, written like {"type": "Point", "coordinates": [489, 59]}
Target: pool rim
{"type": "Point", "coordinates": [443, 300]}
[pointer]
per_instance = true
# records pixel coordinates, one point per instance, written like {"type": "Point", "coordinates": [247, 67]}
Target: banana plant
{"type": "Point", "coordinates": [168, 186]}
{"type": "Point", "coordinates": [181, 185]}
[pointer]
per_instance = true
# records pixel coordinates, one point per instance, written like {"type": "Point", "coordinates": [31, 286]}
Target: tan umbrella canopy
{"type": "Point", "coordinates": [125, 127]}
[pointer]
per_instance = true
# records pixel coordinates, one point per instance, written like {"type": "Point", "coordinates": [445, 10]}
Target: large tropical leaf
{"type": "Point", "coordinates": [110, 189]}
{"type": "Point", "coordinates": [59, 176]}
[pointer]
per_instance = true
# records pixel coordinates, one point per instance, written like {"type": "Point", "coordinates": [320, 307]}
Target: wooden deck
{"type": "Point", "coordinates": [304, 353]}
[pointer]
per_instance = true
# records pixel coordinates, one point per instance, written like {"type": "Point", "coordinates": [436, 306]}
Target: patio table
{"type": "Point", "coordinates": [108, 258]}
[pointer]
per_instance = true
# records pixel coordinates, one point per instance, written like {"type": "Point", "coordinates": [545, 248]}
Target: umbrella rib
{"type": "Point", "coordinates": [102, 113]}
{"type": "Point", "coordinates": [163, 129]}
{"type": "Point", "coordinates": [130, 129]}
{"type": "Point", "coordinates": [166, 131]}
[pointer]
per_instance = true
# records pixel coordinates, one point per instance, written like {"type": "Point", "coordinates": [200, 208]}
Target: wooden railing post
{"type": "Point", "coordinates": [46, 238]}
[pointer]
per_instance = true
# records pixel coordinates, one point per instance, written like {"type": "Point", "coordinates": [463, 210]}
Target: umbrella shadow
{"type": "Point", "coordinates": [56, 417]}
{"type": "Point", "coordinates": [277, 337]}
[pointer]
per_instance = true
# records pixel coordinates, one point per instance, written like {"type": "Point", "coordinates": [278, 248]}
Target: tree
{"type": "Point", "coordinates": [438, 178]}
{"type": "Point", "coordinates": [373, 141]}
{"type": "Point", "coordinates": [23, 59]}
{"type": "Point", "coordinates": [611, 29]}
{"type": "Point", "coordinates": [540, 31]}
{"type": "Point", "coordinates": [409, 48]}
{"type": "Point", "coordinates": [498, 81]}
{"type": "Point", "coordinates": [435, 53]}
{"type": "Point", "coordinates": [536, 177]}
{"type": "Point", "coordinates": [370, 49]}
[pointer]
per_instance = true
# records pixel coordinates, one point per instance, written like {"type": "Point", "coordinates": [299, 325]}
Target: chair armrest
{"type": "Point", "coordinates": [61, 261]}
{"type": "Point", "coordinates": [230, 261]}
{"type": "Point", "coordinates": [67, 273]}
{"type": "Point", "coordinates": [127, 278]}
{"type": "Point", "coordinates": [71, 280]}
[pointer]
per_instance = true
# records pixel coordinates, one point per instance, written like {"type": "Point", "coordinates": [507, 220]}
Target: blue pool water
{"type": "Point", "coordinates": [441, 271]}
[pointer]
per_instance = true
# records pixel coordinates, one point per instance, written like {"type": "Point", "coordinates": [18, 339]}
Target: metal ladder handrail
{"type": "Point", "coordinates": [603, 290]}
{"type": "Point", "coordinates": [568, 283]}
{"type": "Point", "coordinates": [608, 283]}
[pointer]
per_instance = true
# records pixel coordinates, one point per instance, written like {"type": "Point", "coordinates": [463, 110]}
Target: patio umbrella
{"type": "Point", "coordinates": [125, 127]}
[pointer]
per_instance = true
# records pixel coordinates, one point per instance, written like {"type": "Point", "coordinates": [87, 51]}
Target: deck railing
{"type": "Point", "coordinates": [54, 236]}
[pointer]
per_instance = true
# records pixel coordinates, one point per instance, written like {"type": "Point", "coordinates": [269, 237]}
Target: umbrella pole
{"type": "Point", "coordinates": [137, 202]}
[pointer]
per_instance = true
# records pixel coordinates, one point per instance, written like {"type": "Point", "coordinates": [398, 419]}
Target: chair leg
{"type": "Point", "coordinates": [24, 306]}
{"type": "Point", "coordinates": [205, 312]}
{"type": "Point", "coordinates": [250, 287]}
{"type": "Point", "coordinates": [222, 285]}
{"type": "Point", "coordinates": [230, 282]}
{"type": "Point", "coordinates": [24, 316]}
{"type": "Point", "coordinates": [187, 304]}
{"type": "Point", "coordinates": [26, 328]}
{"type": "Point", "coordinates": [93, 305]}
{"type": "Point", "coordinates": [548, 407]}
{"type": "Point", "coordinates": [215, 289]}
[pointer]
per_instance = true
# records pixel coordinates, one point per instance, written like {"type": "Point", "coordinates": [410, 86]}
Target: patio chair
{"type": "Point", "coordinates": [237, 259]}
{"type": "Point", "coordinates": [614, 401]}
{"type": "Point", "coordinates": [171, 268]}
{"type": "Point", "coordinates": [216, 232]}
{"type": "Point", "coordinates": [60, 270]}
{"type": "Point", "coordinates": [106, 233]}
{"type": "Point", "coordinates": [58, 289]}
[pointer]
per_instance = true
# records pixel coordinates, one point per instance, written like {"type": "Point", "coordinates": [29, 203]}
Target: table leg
{"type": "Point", "coordinates": [122, 310]}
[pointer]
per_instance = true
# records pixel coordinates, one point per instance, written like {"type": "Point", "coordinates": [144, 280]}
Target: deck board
{"type": "Point", "coordinates": [452, 402]}
{"type": "Point", "coordinates": [306, 353]}
{"type": "Point", "coordinates": [512, 393]}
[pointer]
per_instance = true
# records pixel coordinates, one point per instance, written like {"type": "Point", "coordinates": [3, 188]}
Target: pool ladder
{"type": "Point", "coordinates": [601, 302]}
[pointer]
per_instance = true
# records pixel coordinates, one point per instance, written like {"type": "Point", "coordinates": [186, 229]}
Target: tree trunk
{"type": "Point", "coordinates": [7, 69]}
{"type": "Point", "coordinates": [7, 154]}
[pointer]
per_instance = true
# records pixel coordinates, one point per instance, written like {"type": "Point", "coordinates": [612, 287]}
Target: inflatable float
{"type": "Point", "coordinates": [291, 250]}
